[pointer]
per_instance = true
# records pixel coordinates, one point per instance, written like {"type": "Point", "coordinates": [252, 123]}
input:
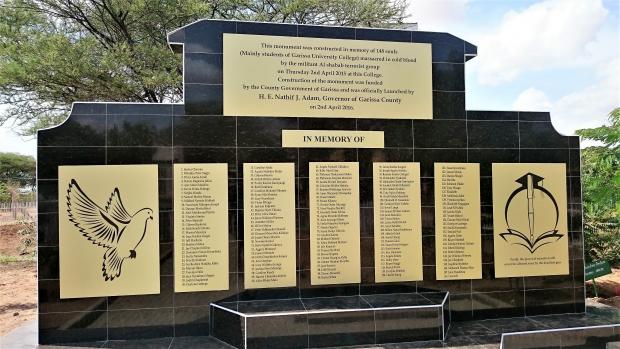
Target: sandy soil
{"type": "Point", "coordinates": [608, 286]}
{"type": "Point", "coordinates": [9, 239]}
{"type": "Point", "coordinates": [18, 284]}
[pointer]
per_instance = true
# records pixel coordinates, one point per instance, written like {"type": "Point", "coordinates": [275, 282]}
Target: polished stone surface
{"type": "Point", "coordinates": [331, 321]}
{"type": "Point", "coordinates": [197, 132]}
{"type": "Point", "coordinates": [236, 140]}
{"type": "Point", "coordinates": [485, 334]}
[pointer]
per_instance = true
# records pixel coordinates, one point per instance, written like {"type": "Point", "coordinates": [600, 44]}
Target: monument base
{"type": "Point", "coordinates": [332, 321]}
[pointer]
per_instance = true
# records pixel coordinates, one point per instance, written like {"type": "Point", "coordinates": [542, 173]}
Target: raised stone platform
{"type": "Point", "coordinates": [332, 321]}
{"type": "Point", "coordinates": [597, 328]}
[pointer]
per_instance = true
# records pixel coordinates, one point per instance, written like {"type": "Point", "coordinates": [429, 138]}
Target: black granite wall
{"type": "Point", "coordinates": [163, 134]}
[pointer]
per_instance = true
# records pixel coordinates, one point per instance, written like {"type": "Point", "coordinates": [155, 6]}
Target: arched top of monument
{"type": "Point", "coordinates": [205, 36]}
{"type": "Point", "coordinates": [201, 44]}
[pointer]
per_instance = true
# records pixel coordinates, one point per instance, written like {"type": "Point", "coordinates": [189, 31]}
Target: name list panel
{"type": "Point", "coordinates": [334, 223]}
{"type": "Point", "coordinates": [457, 221]}
{"type": "Point", "coordinates": [398, 221]}
{"type": "Point", "coordinates": [200, 227]}
{"type": "Point", "coordinates": [269, 225]}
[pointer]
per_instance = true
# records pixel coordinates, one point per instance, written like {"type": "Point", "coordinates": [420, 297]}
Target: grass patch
{"type": "Point", "coordinates": [6, 259]}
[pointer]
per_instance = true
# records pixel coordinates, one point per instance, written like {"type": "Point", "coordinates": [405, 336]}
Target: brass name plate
{"type": "Point", "coordinates": [269, 246]}
{"type": "Point", "coordinates": [200, 227]}
{"type": "Point", "coordinates": [315, 77]}
{"type": "Point", "coordinates": [334, 223]}
{"type": "Point", "coordinates": [397, 222]}
{"type": "Point", "coordinates": [458, 247]}
{"type": "Point", "coordinates": [530, 220]}
{"type": "Point", "coordinates": [331, 139]}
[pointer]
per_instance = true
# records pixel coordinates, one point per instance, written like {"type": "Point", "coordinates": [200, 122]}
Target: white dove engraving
{"type": "Point", "coordinates": [112, 228]}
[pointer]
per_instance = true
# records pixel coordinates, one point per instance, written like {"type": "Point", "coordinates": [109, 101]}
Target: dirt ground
{"type": "Point", "coordinates": [9, 239]}
{"type": "Point", "coordinates": [608, 286]}
{"type": "Point", "coordinates": [18, 283]}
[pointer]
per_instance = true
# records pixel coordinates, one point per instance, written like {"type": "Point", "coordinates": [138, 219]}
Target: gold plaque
{"type": "Point", "coordinates": [108, 230]}
{"type": "Point", "coordinates": [200, 227]}
{"type": "Point", "coordinates": [331, 139]}
{"type": "Point", "coordinates": [458, 247]}
{"type": "Point", "coordinates": [334, 223]}
{"type": "Point", "coordinates": [398, 221]}
{"type": "Point", "coordinates": [316, 77]}
{"type": "Point", "coordinates": [269, 248]}
{"type": "Point", "coordinates": [530, 220]}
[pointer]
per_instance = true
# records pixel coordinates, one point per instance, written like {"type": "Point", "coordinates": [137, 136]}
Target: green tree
{"type": "Point", "coordinates": [5, 194]}
{"type": "Point", "coordinates": [55, 52]}
{"type": "Point", "coordinates": [600, 175]}
{"type": "Point", "coordinates": [17, 169]}
{"type": "Point", "coordinates": [601, 170]}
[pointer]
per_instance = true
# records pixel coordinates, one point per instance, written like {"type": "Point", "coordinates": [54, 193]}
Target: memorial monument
{"type": "Point", "coordinates": [319, 186]}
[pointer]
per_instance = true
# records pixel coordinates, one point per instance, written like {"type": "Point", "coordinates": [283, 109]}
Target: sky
{"type": "Point", "coordinates": [13, 143]}
{"type": "Point", "coordinates": [561, 56]}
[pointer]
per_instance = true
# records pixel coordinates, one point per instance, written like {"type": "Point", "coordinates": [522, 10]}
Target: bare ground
{"type": "Point", "coordinates": [18, 282]}
{"type": "Point", "coordinates": [608, 286]}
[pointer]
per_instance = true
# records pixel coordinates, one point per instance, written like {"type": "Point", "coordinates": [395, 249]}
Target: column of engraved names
{"type": "Point", "coordinates": [397, 221]}
{"type": "Point", "coordinates": [394, 203]}
{"type": "Point", "coordinates": [458, 218]}
{"type": "Point", "coordinates": [270, 225]}
{"type": "Point", "coordinates": [201, 223]}
{"type": "Point", "coordinates": [335, 222]}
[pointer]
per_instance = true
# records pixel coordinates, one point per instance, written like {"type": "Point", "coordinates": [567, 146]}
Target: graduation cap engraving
{"type": "Point", "coordinates": [533, 200]}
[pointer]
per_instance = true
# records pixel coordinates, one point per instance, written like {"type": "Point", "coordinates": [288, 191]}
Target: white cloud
{"type": "Point", "coordinates": [573, 37]}
{"type": "Point", "coordinates": [532, 99]}
{"type": "Point", "coordinates": [584, 108]}
{"type": "Point", "coordinates": [589, 106]}
{"type": "Point", "coordinates": [436, 15]}
{"type": "Point", "coordinates": [547, 34]}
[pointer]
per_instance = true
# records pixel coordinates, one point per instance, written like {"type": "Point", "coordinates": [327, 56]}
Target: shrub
{"type": "Point", "coordinates": [602, 243]}
{"type": "Point", "coordinates": [27, 238]}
